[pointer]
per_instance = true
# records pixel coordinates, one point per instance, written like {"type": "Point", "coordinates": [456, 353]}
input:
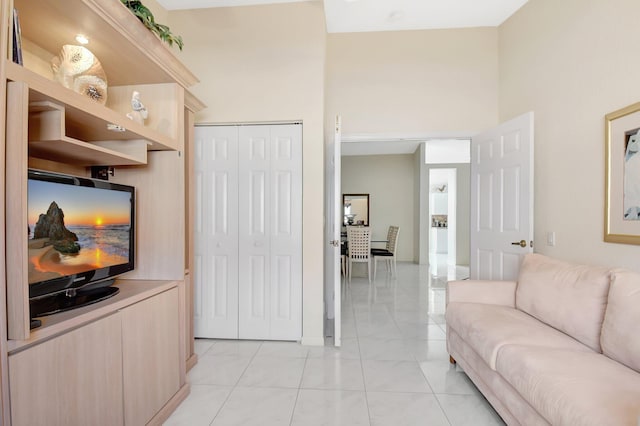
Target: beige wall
{"type": "Point", "coordinates": [435, 82]}
{"type": "Point", "coordinates": [265, 64]}
{"type": "Point", "coordinates": [389, 180]}
{"type": "Point", "coordinates": [568, 61]}
{"type": "Point", "coordinates": [571, 62]}
{"type": "Point", "coordinates": [160, 14]}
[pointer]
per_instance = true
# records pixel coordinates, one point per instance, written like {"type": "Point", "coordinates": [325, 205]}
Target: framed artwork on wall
{"type": "Point", "coordinates": [622, 175]}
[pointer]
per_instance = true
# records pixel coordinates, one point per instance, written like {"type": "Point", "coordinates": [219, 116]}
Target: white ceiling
{"type": "Point", "coordinates": [388, 15]}
{"type": "Point", "coordinates": [201, 4]}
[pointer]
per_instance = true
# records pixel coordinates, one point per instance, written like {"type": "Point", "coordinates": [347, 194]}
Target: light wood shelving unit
{"type": "Point", "coordinates": [59, 130]}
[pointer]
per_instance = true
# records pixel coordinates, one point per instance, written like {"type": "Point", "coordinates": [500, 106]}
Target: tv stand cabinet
{"type": "Point", "coordinates": [122, 360]}
{"type": "Point", "coordinates": [117, 364]}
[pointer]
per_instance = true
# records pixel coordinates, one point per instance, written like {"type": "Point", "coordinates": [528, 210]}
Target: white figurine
{"type": "Point", "coordinates": [139, 113]}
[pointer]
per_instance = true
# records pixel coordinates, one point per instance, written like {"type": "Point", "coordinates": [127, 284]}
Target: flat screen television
{"type": "Point", "coordinates": [81, 235]}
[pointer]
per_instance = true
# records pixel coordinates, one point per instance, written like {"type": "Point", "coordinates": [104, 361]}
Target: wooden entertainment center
{"type": "Point", "coordinates": [123, 360]}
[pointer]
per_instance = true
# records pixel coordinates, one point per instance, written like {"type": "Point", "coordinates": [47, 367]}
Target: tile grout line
{"type": "Point", "coordinates": [364, 381]}
{"type": "Point", "coordinates": [446, 416]}
{"type": "Point", "coordinates": [295, 403]}
{"type": "Point", "coordinates": [233, 388]}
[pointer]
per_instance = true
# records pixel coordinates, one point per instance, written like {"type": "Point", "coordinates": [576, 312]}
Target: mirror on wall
{"type": "Point", "coordinates": [355, 209]}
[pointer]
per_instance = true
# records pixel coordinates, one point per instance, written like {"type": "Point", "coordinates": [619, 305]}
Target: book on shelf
{"type": "Point", "coordinates": [17, 39]}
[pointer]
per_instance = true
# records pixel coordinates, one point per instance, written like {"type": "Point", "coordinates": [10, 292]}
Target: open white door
{"type": "Point", "coordinates": [501, 199]}
{"type": "Point", "coordinates": [333, 228]}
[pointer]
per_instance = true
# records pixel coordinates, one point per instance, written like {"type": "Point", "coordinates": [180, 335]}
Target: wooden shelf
{"type": "Point", "coordinates": [129, 53]}
{"type": "Point", "coordinates": [86, 120]}
{"type": "Point", "coordinates": [69, 150]}
{"type": "Point", "coordinates": [131, 291]}
{"type": "Point", "coordinates": [48, 140]}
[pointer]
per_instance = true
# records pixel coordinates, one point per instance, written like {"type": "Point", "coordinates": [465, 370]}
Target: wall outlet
{"type": "Point", "coordinates": [551, 239]}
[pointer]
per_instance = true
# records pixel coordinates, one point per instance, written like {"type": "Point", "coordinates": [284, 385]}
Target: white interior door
{"type": "Point", "coordinates": [270, 232]}
{"type": "Point", "coordinates": [333, 228]}
{"type": "Point", "coordinates": [501, 199]}
{"type": "Point", "coordinates": [216, 232]}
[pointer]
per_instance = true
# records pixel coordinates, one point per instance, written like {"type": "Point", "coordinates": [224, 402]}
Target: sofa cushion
{"type": "Point", "coordinates": [620, 338]}
{"type": "Point", "coordinates": [513, 409]}
{"type": "Point", "coordinates": [569, 297]}
{"type": "Point", "coordinates": [572, 388]}
{"type": "Point", "coordinates": [487, 328]}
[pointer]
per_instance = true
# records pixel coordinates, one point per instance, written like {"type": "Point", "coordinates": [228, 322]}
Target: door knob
{"type": "Point", "coordinates": [521, 243]}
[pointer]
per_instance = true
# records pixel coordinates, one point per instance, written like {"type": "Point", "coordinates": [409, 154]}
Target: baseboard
{"type": "Point", "coordinates": [192, 361]}
{"type": "Point", "coordinates": [166, 411]}
{"type": "Point", "coordinates": [312, 341]}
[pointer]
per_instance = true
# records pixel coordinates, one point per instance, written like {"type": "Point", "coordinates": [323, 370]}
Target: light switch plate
{"type": "Point", "coordinates": [551, 239]}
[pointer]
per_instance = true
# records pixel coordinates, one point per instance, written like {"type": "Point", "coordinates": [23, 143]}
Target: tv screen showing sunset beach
{"type": "Point", "coordinates": [75, 229]}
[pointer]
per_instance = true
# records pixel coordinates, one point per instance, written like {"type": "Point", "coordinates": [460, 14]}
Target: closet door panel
{"type": "Point", "coordinates": [255, 226]}
{"type": "Point", "coordinates": [286, 232]}
{"type": "Point", "coordinates": [216, 232]}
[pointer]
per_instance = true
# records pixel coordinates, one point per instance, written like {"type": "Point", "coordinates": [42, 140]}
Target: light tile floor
{"type": "Point", "coordinates": [392, 369]}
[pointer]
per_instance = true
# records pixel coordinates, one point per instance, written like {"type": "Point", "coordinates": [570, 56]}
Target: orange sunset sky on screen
{"type": "Point", "coordinates": [74, 220]}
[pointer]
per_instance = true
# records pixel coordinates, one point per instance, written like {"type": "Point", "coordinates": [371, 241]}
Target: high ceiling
{"type": "Point", "coordinates": [388, 15]}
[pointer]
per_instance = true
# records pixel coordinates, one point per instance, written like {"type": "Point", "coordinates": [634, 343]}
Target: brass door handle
{"type": "Point", "coordinates": [521, 243]}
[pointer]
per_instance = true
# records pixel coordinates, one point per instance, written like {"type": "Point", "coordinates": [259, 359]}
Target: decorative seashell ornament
{"type": "Point", "coordinates": [78, 69]}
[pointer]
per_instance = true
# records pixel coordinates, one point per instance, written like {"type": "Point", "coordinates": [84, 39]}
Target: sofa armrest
{"type": "Point", "coordinates": [481, 291]}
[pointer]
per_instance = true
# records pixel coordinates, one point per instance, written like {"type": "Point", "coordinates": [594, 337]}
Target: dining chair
{"type": "Point", "coordinates": [359, 243]}
{"type": "Point", "coordinates": [388, 253]}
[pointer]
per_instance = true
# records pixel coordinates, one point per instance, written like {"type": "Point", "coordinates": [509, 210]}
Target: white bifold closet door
{"type": "Point", "coordinates": [248, 227]}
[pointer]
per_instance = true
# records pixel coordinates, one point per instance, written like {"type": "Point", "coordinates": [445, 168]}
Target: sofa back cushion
{"type": "Point", "coordinates": [571, 298]}
{"type": "Point", "coordinates": [620, 338]}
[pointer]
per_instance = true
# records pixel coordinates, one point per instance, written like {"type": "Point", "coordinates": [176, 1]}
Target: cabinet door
{"type": "Point", "coordinates": [150, 355]}
{"type": "Point", "coordinates": [74, 379]}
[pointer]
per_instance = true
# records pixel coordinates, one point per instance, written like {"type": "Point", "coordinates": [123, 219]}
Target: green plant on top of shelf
{"type": "Point", "coordinates": [146, 17]}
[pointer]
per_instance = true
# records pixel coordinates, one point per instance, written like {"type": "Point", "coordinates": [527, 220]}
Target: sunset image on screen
{"type": "Point", "coordinates": [74, 229]}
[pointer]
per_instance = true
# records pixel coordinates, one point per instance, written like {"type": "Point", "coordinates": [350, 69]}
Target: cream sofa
{"type": "Point", "coordinates": [560, 346]}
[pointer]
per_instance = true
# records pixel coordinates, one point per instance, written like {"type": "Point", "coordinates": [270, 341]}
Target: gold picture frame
{"type": "Point", "coordinates": [622, 176]}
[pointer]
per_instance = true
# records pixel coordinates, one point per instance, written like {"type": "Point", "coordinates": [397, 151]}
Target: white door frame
{"type": "Point", "coordinates": [332, 256]}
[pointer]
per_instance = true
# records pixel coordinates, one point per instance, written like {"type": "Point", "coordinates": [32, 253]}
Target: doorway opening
{"type": "Point", "coordinates": [445, 205]}
{"type": "Point", "coordinates": [442, 219]}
